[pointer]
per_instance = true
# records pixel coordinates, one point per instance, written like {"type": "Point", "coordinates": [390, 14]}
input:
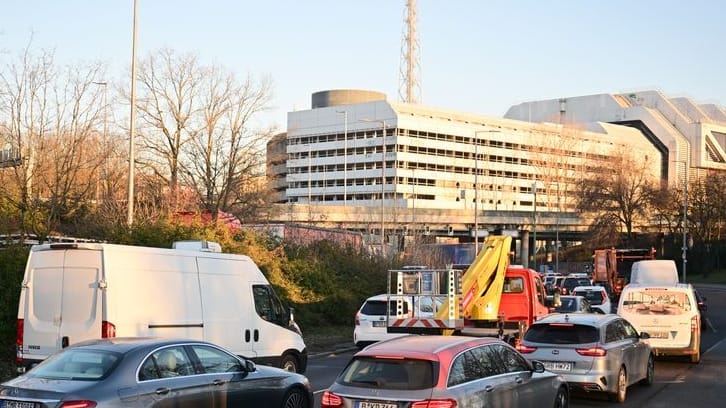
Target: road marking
{"type": "Point", "coordinates": [714, 346]}
{"type": "Point", "coordinates": [710, 325]}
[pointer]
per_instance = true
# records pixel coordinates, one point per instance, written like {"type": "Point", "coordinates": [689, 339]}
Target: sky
{"type": "Point", "coordinates": [476, 56]}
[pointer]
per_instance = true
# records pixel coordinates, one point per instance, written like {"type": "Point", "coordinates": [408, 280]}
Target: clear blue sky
{"type": "Point", "coordinates": [477, 56]}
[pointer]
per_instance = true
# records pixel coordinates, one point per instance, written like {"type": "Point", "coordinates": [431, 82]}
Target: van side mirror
{"type": "Point", "coordinates": [291, 321]}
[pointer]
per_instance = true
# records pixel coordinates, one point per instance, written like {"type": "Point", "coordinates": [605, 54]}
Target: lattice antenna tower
{"type": "Point", "coordinates": [410, 85]}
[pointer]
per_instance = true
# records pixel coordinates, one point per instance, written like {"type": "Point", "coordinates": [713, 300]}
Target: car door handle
{"type": "Point", "coordinates": [518, 380]}
{"type": "Point", "coordinates": [488, 388]}
{"type": "Point", "coordinates": [162, 391]}
{"type": "Point", "coordinates": [218, 382]}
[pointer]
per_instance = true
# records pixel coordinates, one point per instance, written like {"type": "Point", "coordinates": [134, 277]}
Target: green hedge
{"type": "Point", "coordinates": [12, 264]}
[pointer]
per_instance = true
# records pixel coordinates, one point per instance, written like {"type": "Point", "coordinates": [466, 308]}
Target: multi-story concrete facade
{"type": "Point", "coordinates": [443, 172]}
{"type": "Point", "coordinates": [688, 134]}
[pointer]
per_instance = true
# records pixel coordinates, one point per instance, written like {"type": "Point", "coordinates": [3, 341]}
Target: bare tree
{"type": "Point", "coordinates": [226, 158]}
{"type": "Point", "coordinates": [554, 156]}
{"type": "Point", "coordinates": [48, 118]}
{"type": "Point", "coordinates": [705, 206]}
{"type": "Point", "coordinates": [168, 104]}
{"type": "Point", "coordinates": [619, 189]}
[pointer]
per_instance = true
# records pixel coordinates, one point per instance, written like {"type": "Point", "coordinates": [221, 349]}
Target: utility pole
{"type": "Point", "coordinates": [132, 123]}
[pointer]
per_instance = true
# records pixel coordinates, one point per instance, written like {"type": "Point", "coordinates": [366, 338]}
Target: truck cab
{"type": "Point", "coordinates": [523, 296]}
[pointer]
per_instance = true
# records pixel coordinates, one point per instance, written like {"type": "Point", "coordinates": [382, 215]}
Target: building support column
{"type": "Point", "coordinates": [524, 248]}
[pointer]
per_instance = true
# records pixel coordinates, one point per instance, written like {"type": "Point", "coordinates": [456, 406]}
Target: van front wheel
{"type": "Point", "coordinates": [289, 363]}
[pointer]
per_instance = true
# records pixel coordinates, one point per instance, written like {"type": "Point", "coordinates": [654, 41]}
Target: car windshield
{"type": "Point", "coordinates": [571, 283]}
{"type": "Point", "coordinates": [656, 302]}
{"type": "Point", "coordinates": [556, 333]}
{"type": "Point", "coordinates": [388, 374]}
{"type": "Point", "coordinates": [567, 304]}
{"type": "Point", "coordinates": [592, 296]}
{"type": "Point", "coordinates": [77, 364]}
{"type": "Point", "coordinates": [378, 307]}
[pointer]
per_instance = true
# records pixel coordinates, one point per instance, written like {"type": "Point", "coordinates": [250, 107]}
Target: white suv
{"type": "Point", "coordinates": [370, 321]}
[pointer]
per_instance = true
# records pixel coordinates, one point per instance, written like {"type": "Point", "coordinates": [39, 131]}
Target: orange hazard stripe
{"type": "Point", "coordinates": [428, 323]}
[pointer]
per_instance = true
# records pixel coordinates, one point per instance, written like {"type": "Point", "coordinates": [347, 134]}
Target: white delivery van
{"type": "Point", "coordinates": [654, 271]}
{"type": "Point", "coordinates": [78, 291]}
{"type": "Point", "coordinates": [668, 313]}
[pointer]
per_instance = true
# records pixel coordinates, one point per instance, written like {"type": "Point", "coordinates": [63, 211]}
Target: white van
{"type": "Point", "coordinates": [668, 313]}
{"type": "Point", "coordinates": [654, 271]}
{"type": "Point", "coordinates": [78, 291]}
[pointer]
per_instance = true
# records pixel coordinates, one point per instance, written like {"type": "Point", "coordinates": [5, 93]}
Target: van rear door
{"type": "Point", "coordinates": [63, 301]}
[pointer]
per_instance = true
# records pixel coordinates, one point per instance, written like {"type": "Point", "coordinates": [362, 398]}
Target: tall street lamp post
{"type": "Point", "coordinates": [383, 179]}
{"type": "Point", "coordinates": [132, 123]}
{"type": "Point", "coordinates": [534, 226]}
{"type": "Point", "coordinates": [684, 248]}
{"type": "Point", "coordinates": [476, 187]}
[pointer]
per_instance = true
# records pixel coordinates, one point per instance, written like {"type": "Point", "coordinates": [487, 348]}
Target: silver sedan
{"type": "Point", "coordinates": [123, 372]}
{"type": "Point", "coordinates": [602, 353]}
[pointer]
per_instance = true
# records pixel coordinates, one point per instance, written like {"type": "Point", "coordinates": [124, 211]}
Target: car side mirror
{"type": "Point", "coordinates": [598, 310]}
{"type": "Point", "coordinates": [644, 335]}
{"type": "Point", "coordinates": [538, 366]}
{"type": "Point", "coordinates": [250, 366]}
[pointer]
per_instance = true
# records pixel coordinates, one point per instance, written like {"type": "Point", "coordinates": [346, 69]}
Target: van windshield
{"type": "Point", "coordinates": [656, 302]}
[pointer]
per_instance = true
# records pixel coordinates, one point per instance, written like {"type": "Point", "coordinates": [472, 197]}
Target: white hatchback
{"type": "Point", "coordinates": [597, 296]}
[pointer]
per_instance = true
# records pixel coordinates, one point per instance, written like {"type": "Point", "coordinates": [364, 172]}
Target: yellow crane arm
{"type": "Point", "coordinates": [483, 282]}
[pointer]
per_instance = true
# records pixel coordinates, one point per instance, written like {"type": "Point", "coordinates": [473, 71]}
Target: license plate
{"type": "Point", "coordinates": [16, 404]}
{"type": "Point", "coordinates": [366, 404]}
{"type": "Point", "coordinates": [379, 323]}
{"type": "Point", "coordinates": [659, 335]}
{"type": "Point", "coordinates": [558, 366]}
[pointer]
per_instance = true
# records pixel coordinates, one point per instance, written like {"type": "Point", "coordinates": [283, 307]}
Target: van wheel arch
{"type": "Point", "coordinates": [290, 362]}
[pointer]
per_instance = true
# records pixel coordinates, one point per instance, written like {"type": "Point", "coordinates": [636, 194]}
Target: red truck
{"type": "Point", "coordinates": [489, 297]}
{"type": "Point", "coordinates": [612, 267]}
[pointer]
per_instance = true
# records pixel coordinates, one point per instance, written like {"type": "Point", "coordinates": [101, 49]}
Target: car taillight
{"type": "Point", "coordinates": [108, 330]}
{"type": "Point", "coordinates": [78, 404]}
{"type": "Point", "coordinates": [357, 319]}
{"type": "Point", "coordinates": [330, 400]}
{"type": "Point", "coordinates": [434, 403]}
{"type": "Point", "coordinates": [19, 331]}
{"type": "Point", "coordinates": [592, 352]}
{"type": "Point", "coordinates": [694, 323]}
{"type": "Point", "coordinates": [525, 349]}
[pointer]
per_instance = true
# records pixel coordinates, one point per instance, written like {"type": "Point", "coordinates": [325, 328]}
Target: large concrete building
{"type": "Point", "coordinates": [458, 175]}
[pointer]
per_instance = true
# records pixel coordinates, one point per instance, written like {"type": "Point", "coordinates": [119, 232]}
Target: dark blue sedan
{"type": "Point", "coordinates": [134, 372]}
